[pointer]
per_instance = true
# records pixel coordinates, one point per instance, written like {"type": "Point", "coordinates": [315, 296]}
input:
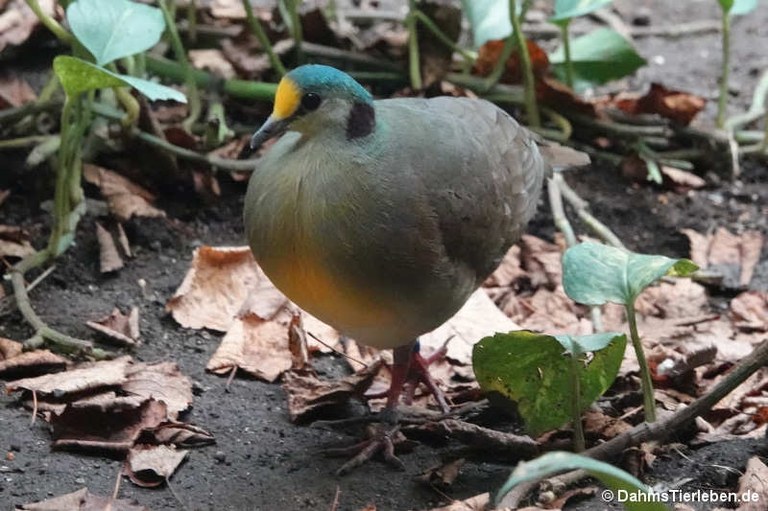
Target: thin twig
{"type": "Point", "coordinates": [258, 31]}
{"type": "Point", "coordinates": [582, 210]}
{"type": "Point", "coordinates": [756, 109]}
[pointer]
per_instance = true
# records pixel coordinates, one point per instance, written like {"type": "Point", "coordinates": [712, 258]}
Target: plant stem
{"type": "Point", "coordinates": [241, 89]}
{"type": "Point", "coordinates": [501, 64]}
{"type": "Point", "coordinates": [424, 19]}
{"type": "Point", "coordinates": [649, 401]}
{"type": "Point", "coordinates": [531, 108]}
{"type": "Point", "coordinates": [193, 95]}
{"type": "Point", "coordinates": [50, 23]}
{"type": "Point", "coordinates": [722, 101]}
{"type": "Point", "coordinates": [414, 64]}
{"type": "Point", "coordinates": [192, 21]}
{"type": "Point", "coordinates": [564, 25]}
{"type": "Point", "coordinates": [266, 45]}
{"type": "Point", "coordinates": [297, 33]}
{"type": "Point", "coordinates": [578, 428]}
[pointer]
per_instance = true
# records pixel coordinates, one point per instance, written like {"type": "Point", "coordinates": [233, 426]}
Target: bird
{"type": "Point", "coordinates": [382, 217]}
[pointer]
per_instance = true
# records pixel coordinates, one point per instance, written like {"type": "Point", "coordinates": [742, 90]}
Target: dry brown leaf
{"type": "Point", "coordinates": [14, 90]}
{"type": "Point", "coordinates": [754, 481]}
{"type": "Point", "coordinates": [735, 256]}
{"type": "Point", "coordinates": [308, 395]}
{"type": "Point", "coordinates": [215, 288]}
{"type": "Point", "coordinates": [509, 271]}
{"type": "Point", "coordinates": [15, 364]}
{"type": "Point", "coordinates": [81, 378]}
{"type": "Point", "coordinates": [14, 242]}
{"type": "Point", "coordinates": [676, 105]}
{"type": "Point", "coordinates": [542, 261]}
{"type": "Point", "coordinates": [476, 503]}
{"type": "Point", "coordinates": [228, 9]}
{"type": "Point", "coordinates": [109, 258]}
{"type": "Point", "coordinates": [18, 21]}
{"type": "Point", "coordinates": [118, 326]}
{"type": "Point", "coordinates": [681, 180]}
{"type": "Point", "coordinates": [682, 298]}
{"type": "Point", "coordinates": [180, 434]}
{"type": "Point", "coordinates": [116, 430]}
{"type": "Point", "coordinates": [750, 311]}
{"type": "Point", "coordinates": [548, 311]}
{"type": "Point", "coordinates": [212, 60]}
{"type": "Point", "coordinates": [162, 381]}
{"type": "Point", "coordinates": [122, 238]}
{"type": "Point", "coordinates": [256, 346]}
{"type": "Point", "coordinates": [83, 500]}
{"type": "Point", "coordinates": [442, 476]}
{"type": "Point", "coordinates": [150, 466]}
{"type": "Point", "coordinates": [478, 318]}
{"type": "Point", "coordinates": [125, 198]}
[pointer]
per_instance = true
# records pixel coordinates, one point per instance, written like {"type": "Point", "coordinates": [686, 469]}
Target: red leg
{"type": "Point", "coordinates": [408, 370]}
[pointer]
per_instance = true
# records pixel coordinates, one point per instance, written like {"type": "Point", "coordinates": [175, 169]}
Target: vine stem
{"type": "Point", "coordinates": [414, 63]}
{"type": "Point", "coordinates": [564, 35]}
{"type": "Point", "coordinates": [722, 101]}
{"type": "Point", "coordinates": [181, 55]}
{"type": "Point", "coordinates": [266, 45]}
{"type": "Point", "coordinates": [579, 443]}
{"type": "Point", "coordinates": [531, 108]}
{"type": "Point", "coordinates": [649, 401]}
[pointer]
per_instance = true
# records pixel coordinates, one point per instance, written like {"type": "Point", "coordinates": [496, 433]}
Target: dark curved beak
{"type": "Point", "coordinates": [270, 129]}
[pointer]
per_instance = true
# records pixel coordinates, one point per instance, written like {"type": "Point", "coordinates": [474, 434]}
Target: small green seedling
{"type": "Point", "coordinates": [596, 58]}
{"type": "Point", "coordinates": [729, 8]}
{"type": "Point", "coordinates": [619, 484]}
{"type": "Point", "coordinates": [565, 11]}
{"type": "Point", "coordinates": [594, 274]}
{"type": "Point", "coordinates": [551, 378]}
{"type": "Point", "coordinates": [107, 30]}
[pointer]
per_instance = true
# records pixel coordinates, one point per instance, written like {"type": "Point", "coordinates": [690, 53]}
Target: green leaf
{"type": "Point", "coordinates": [612, 477]}
{"type": "Point", "coordinates": [489, 19]}
{"type": "Point", "coordinates": [532, 370]}
{"type": "Point", "coordinates": [112, 29]}
{"type": "Point", "coordinates": [77, 76]}
{"type": "Point", "coordinates": [738, 7]}
{"type": "Point", "coordinates": [594, 274]}
{"type": "Point", "coordinates": [581, 344]}
{"type": "Point", "coordinates": [598, 57]}
{"type": "Point", "coordinates": [568, 9]}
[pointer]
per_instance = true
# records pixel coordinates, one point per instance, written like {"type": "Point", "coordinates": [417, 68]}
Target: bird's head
{"type": "Point", "coordinates": [312, 98]}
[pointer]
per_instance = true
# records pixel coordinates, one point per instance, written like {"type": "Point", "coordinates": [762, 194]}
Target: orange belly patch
{"type": "Point", "coordinates": [310, 284]}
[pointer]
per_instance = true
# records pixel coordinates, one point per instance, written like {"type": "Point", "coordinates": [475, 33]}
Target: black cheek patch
{"type": "Point", "coordinates": [361, 121]}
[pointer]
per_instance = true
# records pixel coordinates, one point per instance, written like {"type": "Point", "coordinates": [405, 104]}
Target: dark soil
{"type": "Point", "coordinates": [263, 462]}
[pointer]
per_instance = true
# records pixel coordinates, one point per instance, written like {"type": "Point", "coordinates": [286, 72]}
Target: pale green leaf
{"type": "Point", "coordinates": [112, 29]}
{"type": "Point", "coordinates": [612, 477]}
{"type": "Point", "coordinates": [568, 9]}
{"type": "Point", "coordinates": [598, 57]}
{"type": "Point", "coordinates": [594, 274]}
{"type": "Point", "coordinates": [489, 19]}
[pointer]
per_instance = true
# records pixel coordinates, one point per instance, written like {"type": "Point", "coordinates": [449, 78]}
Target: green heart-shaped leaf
{"type": "Point", "coordinates": [612, 477]}
{"type": "Point", "coordinates": [738, 7]}
{"type": "Point", "coordinates": [77, 76]}
{"type": "Point", "coordinates": [532, 370]}
{"type": "Point", "coordinates": [568, 9]}
{"type": "Point", "coordinates": [598, 57]}
{"type": "Point", "coordinates": [489, 19]}
{"type": "Point", "coordinates": [594, 274]}
{"type": "Point", "coordinates": [112, 29]}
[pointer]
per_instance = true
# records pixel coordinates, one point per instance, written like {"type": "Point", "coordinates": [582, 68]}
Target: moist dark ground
{"type": "Point", "coordinates": [263, 462]}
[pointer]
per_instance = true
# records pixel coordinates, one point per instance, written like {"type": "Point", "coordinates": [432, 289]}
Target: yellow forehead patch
{"type": "Point", "coordinates": [287, 99]}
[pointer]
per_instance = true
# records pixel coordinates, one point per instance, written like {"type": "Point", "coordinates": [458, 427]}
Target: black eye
{"type": "Point", "coordinates": [310, 101]}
